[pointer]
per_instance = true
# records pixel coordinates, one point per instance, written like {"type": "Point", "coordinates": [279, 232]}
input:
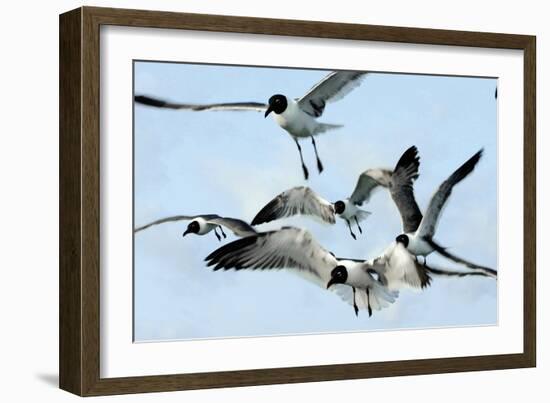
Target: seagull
{"type": "Point", "coordinates": [418, 230]}
{"type": "Point", "coordinates": [397, 268]}
{"type": "Point", "coordinates": [303, 200]}
{"type": "Point", "coordinates": [297, 116]}
{"type": "Point", "coordinates": [203, 224]}
{"type": "Point", "coordinates": [297, 250]}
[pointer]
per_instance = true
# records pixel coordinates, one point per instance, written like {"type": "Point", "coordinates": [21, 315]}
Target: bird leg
{"type": "Point", "coordinates": [217, 235]}
{"type": "Point", "coordinates": [358, 226]}
{"type": "Point", "coordinates": [319, 163]}
{"type": "Point", "coordinates": [350, 230]}
{"type": "Point", "coordinates": [368, 302]}
{"type": "Point", "coordinates": [304, 168]}
{"type": "Point", "coordinates": [354, 303]}
{"type": "Point", "coordinates": [221, 230]}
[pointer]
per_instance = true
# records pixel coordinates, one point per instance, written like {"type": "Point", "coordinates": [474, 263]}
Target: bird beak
{"type": "Point", "coordinates": [331, 282]}
{"type": "Point", "coordinates": [268, 111]}
{"type": "Point", "coordinates": [185, 233]}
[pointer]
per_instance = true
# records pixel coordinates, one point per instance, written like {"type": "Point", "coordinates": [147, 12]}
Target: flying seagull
{"type": "Point", "coordinates": [297, 116]}
{"type": "Point", "coordinates": [295, 249]}
{"type": "Point", "coordinates": [203, 224]}
{"type": "Point", "coordinates": [303, 200]}
{"type": "Point", "coordinates": [418, 230]}
{"type": "Point", "coordinates": [397, 268]}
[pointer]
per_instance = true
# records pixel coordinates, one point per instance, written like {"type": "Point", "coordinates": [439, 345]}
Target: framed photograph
{"type": "Point", "coordinates": [248, 201]}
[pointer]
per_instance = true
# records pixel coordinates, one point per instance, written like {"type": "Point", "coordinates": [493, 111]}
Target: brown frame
{"type": "Point", "coordinates": [79, 201]}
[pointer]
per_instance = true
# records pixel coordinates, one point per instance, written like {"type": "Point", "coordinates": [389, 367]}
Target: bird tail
{"type": "Point", "coordinates": [362, 214]}
{"type": "Point", "coordinates": [379, 296]}
{"type": "Point", "coordinates": [325, 127]}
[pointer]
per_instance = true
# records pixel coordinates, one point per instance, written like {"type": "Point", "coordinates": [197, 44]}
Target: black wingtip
{"type": "Point", "coordinates": [409, 157]}
{"type": "Point", "coordinates": [466, 168]}
{"type": "Point", "coordinates": [223, 256]}
{"type": "Point", "coordinates": [145, 100]}
{"type": "Point", "coordinates": [258, 220]}
{"type": "Point", "coordinates": [267, 213]}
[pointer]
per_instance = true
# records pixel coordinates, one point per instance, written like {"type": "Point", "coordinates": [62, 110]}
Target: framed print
{"type": "Point", "coordinates": [250, 201]}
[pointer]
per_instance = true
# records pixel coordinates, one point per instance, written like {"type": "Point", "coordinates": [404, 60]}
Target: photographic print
{"type": "Point", "coordinates": [282, 201]}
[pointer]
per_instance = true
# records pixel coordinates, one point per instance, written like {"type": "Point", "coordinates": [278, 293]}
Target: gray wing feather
{"type": "Point", "coordinates": [229, 106]}
{"type": "Point", "coordinates": [333, 87]}
{"type": "Point", "coordinates": [402, 192]}
{"type": "Point", "coordinates": [287, 248]}
{"type": "Point", "coordinates": [429, 223]}
{"type": "Point", "coordinates": [238, 227]}
{"type": "Point", "coordinates": [368, 181]}
{"type": "Point", "coordinates": [298, 200]}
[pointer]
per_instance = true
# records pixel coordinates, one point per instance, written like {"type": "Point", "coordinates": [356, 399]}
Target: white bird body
{"type": "Point", "coordinates": [204, 226]}
{"type": "Point", "coordinates": [295, 121]}
{"type": "Point", "coordinates": [418, 246]}
{"type": "Point", "coordinates": [351, 211]}
{"type": "Point", "coordinates": [358, 276]}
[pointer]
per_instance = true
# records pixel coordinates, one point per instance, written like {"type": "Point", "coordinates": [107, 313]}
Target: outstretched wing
{"type": "Point", "coordinates": [229, 106]}
{"type": "Point", "coordinates": [164, 220]}
{"type": "Point", "coordinates": [238, 227]}
{"type": "Point", "coordinates": [333, 87]}
{"type": "Point", "coordinates": [456, 273]}
{"type": "Point", "coordinates": [298, 200]}
{"type": "Point", "coordinates": [439, 199]}
{"type": "Point", "coordinates": [368, 181]}
{"type": "Point", "coordinates": [287, 248]}
{"type": "Point", "coordinates": [402, 191]}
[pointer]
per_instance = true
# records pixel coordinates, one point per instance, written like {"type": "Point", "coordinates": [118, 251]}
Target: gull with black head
{"type": "Point", "coordinates": [203, 224]}
{"type": "Point", "coordinates": [418, 229]}
{"type": "Point", "coordinates": [297, 250]}
{"type": "Point", "coordinates": [303, 200]}
{"type": "Point", "coordinates": [396, 268]}
{"type": "Point", "coordinates": [297, 116]}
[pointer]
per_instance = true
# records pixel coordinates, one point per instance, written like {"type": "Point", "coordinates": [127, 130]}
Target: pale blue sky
{"type": "Point", "coordinates": [231, 164]}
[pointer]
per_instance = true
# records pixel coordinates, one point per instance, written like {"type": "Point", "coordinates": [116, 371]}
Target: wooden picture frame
{"type": "Point", "coordinates": [79, 346]}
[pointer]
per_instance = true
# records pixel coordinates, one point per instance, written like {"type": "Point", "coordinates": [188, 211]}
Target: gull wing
{"type": "Point", "coordinates": [428, 224]}
{"type": "Point", "coordinates": [333, 87]}
{"type": "Point", "coordinates": [368, 181]}
{"type": "Point", "coordinates": [288, 248]}
{"type": "Point", "coordinates": [298, 200]}
{"type": "Point", "coordinates": [229, 106]}
{"type": "Point", "coordinates": [238, 227]}
{"type": "Point", "coordinates": [402, 191]}
{"type": "Point", "coordinates": [168, 219]}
